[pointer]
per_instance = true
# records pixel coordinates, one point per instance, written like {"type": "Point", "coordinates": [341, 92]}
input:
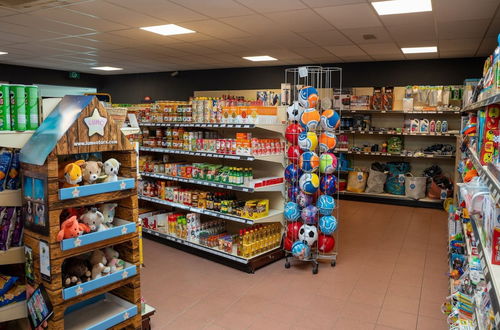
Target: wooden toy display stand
{"type": "Point", "coordinates": [75, 127]}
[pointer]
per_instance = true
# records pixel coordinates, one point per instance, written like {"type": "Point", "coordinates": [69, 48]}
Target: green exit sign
{"type": "Point", "coordinates": [74, 75]}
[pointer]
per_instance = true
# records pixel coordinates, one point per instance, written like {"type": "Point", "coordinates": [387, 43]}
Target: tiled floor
{"type": "Point", "coordinates": [391, 274]}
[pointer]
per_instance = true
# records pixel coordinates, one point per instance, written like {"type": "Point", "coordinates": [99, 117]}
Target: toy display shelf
{"type": "Point", "coordinates": [403, 112]}
{"type": "Point", "coordinates": [14, 139]}
{"type": "Point", "coordinates": [491, 272]}
{"type": "Point", "coordinates": [395, 133]}
{"type": "Point", "coordinates": [97, 188]}
{"type": "Point", "coordinates": [274, 215]}
{"type": "Point", "coordinates": [14, 255]}
{"type": "Point", "coordinates": [391, 199]}
{"type": "Point", "coordinates": [11, 198]}
{"type": "Point", "coordinates": [128, 271]}
{"type": "Point", "coordinates": [386, 154]}
{"type": "Point", "coordinates": [248, 264]}
{"type": "Point", "coordinates": [486, 174]}
{"type": "Point", "coordinates": [121, 228]}
{"type": "Point", "coordinates": [268, 127]}
{"type": "Point", "coordinates": [275, 187]}
{"type": "Point", "coordinates": [100, 312]}
{"type": "Point", "coordinates": [14, 311]}
{"type": "Point", "coordinates": [269, 158]}
{"type": "Point", "coordinates": [495, 99]}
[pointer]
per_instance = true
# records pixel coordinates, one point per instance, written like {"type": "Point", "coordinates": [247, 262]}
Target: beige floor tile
{"type": "Point", "coordinates": [397, 319]}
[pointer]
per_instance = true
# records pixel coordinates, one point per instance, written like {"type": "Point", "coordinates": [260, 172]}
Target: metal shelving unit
{"type": "Point", "coordinates": [486, 174]}
{"type": "Point", "coordinates": [495, 99]}
{"type": "Point", "coordinates": [404, 112]}
{"type": "Point", "coordinates": [278, 128]}
{"type": "Point", "coordinates": [392, 199]}
{"type": "Point", "coordinates": [386, 154]}
{"type": "Point", "coordinates": [394, 133]}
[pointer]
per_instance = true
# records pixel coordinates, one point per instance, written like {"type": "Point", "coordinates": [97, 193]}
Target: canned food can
{"type": "Point", "coordinates": [31, 93]}
{"type": "Point", "coordinates": [4, 108]}
{"type": "Point", "coordinates": [18, 107]}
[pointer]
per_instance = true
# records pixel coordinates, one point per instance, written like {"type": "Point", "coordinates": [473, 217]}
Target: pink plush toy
{"type": "Point", "coordinates": [71, 228]}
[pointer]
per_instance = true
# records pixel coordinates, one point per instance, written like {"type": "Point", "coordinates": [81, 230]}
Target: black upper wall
{"type": "Point", "coordinates": [26, 75]}
{"type": "Point", "coordinates": [132, 88]}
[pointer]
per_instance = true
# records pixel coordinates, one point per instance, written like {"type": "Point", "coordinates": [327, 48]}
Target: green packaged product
{"type": "Point", "coordinates": [32, 107]}
{"type": "Point", "coordinates": [18, 107]}
{"type": "Point", "coordinates": [4, 108]}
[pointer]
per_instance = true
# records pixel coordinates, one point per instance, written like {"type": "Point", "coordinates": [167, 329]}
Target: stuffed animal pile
{"type": "Point", "coordinates": [79, 221]}
{"type": "Point", "coordinates": [71, 174]}
{"type": "Point", "coordinates": [91, 266]}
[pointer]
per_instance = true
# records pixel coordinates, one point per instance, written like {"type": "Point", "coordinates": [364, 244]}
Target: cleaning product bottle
{"type": "Point", "coordinates": [432, 126]}
{"type": "Point", "coordinates": [444, 126]}
{"type": "Point", "coordinates": [424, 126]}
{"type": "Point", "coordinates": [438, 126]}
{"type": "Point", "coordinates": [415, 125]}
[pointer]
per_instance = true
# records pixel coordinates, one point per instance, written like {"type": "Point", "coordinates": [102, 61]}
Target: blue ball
{"type": "Point", "coordinates": [330, 120]}
{"type": "Point", "coordinates": [292, 173]}
{"type": "Point", "coordinates": [328, 184]}
{"type": "Point", "coordinates": [327, 224]}
{"type": "Point", "coordinates": [301, 250]}
{"type": "Point", "coordinates": [292, 211]}
{"type": "Point", "coordinates": [304, 199]}
{"type": "Point", "coordinates": [325, 204]}
{"type": "Point", "coordinates": [293, 192]}
{"type": "Point", "coordinates": [309, 215]}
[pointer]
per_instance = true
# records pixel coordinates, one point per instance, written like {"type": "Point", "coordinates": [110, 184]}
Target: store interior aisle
{"type": "Point", "coordinates": [390, 274]}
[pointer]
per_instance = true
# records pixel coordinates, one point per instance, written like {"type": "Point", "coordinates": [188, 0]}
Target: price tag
{"type": "Point", "coordinates": [222, 125]}
{"type": "Point", "coordinates": [220, 186]}
{"type": "Point", "coordinates": [245, 189]}
{"type": "Point", "coordinates": [237, 126]}
{"type": "Point", "coordinates": [371, 132]}
{"type": "Point", "coordinates": [303, 71]}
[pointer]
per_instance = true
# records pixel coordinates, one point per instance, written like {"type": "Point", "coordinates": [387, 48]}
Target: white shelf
{"type": "Point", "coordinates": [274, 215]}
{"type": "Point", "coordinates": [11, 198]}
{"type": "Point", "coordinates": [231, 256]}
{"type": "Point", "coordinates": [386, 154]}
{"type": "Point", "coordinates": [404, 112]}
{"type": "Point", "coordinates": [14, 255]}
{"type": "Point", "coordinates": [14, 311]}
{"type": "Point", "coordinates": [275, 187]}
{"type": "Point", "coordinates": [14, 139]}
{"type": "Point", "coordinates": [279, 128]}
{"type": "Point", "coordinates": [486, 175]}
{"type": "Point", "coordinates": [452, 134]}
{"type": "Point", "coordinates": [495, 99]}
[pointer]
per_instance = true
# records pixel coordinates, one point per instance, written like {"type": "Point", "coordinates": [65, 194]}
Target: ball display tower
{"type": "Point", "coordinates": [311, 210]}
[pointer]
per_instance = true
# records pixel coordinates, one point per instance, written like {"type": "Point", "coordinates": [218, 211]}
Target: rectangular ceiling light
{"type": "Point", "coordinates": [393, 7]}
{"type": "Point", "coordinates": [106, 68]}
{"type": "Point", "coordinates": [3, 53]}
{"type": "Point", "coordinates": [167, 30]}
{"type": "Point", "coordinates": [260, 58]}
{"type": "Point", "coordinates": [418, 50]}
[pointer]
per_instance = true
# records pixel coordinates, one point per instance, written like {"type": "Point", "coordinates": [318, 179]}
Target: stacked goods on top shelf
{"type": "Point", "coordinates": [80, 213]}
{"type": "Point", "coordinates": [19, 107]}
{"type": "Point", "coordinates": [176, 137]}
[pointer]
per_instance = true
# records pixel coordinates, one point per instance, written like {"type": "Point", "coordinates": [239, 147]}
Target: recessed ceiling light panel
{"type": "Point", "coordinates": [167, 30]}
{"type": "Point", "coordinates": [260, 58]}
{"type": "Point", "coordinates": [394, 7]}
{"type": "Point", "coordinates": [106, 68]}
{"type": "Point", "coordinates": [3, 53]}
{"type": "Point", "coordinates": [419, 50]}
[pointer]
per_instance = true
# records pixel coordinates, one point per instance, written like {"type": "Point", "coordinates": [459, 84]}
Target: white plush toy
{"type": "Point", "coordinates": [108, 211]}
{"type": "Point", "coordinates": [98, 262]}
{"type": "Point", "coordinates": [111, 167]}
{"type": "Point", "coordinates": [94, 219]}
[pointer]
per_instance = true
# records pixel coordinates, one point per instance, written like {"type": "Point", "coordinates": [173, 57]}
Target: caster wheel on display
{"type": "Point", "coordinates": [287, 265]}
{"type": "Point", "coordinates": [334, 263]}
{"type": "Point", "coordinates": [315, 269]}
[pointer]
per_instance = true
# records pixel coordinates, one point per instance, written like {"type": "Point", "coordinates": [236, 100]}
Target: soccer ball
{"type": "Point", "coordinates": [327, 163]}
{"type": "Point", "coordinates": [309, 215]}
{"type": "Point", "coordinates": [294, 153]}
{"type": "Point", "coordinates": [325, 204]}
{"type": "Point", "coordinates": [293, 192]}
{"type": "Point", "coordinates": [293, 230]}
{"type": "Point", "coordinates": [292, 211]}
{"type": "Point", "coordinates": [308, 141]}
{"type": "Point", "coordinates": [292, 133]}
{"type": "Point", "coordinates": [330, 120]}
{"type": "Point", "coordinates": [304, 199]}
{"type": "Point", "coordinates": [301, 250]}
{"type": "Point", "coordinates": [287, 244]}
{"type": "Point", "coordinates": [308, 234]}
{"type": "Point", "coordinates": [328, 184]}
{"type": "Point", "coordinates": [293, 111]}
{"type": "Point", "coordinates": [327, 141]}
{"type": "Point", "coordinates": [309, 161]}
{"type": "Point", "coordinates": [292, 173]}
{"type": "Point", "coordinates": [327, 224]}
{"type": "Point", "coordinates": [325, 243]}
{"type": "Point", "coordinates": [309, 119]}
{"type": "Point", "coordinates": [308, 97]}
{"type": "Point", "coordinates": [309, 183]}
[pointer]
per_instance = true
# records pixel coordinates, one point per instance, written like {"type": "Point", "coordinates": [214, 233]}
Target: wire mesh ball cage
{"type": "Point", "coordinates": [311, 201]}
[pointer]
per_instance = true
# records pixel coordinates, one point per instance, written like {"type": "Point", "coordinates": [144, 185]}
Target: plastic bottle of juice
{"type": "Point", "coordinates": [251, 243]}
{"type": "Point", "coordinates": [245, 245]}
{"type": "Point", "coordinates": [239, 249]}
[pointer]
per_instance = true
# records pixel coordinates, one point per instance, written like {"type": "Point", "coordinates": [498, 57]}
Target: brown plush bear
{"type": "Point", "coordinates": [91, 171]}
{"type": "Point", "coordinates": [75, 271]}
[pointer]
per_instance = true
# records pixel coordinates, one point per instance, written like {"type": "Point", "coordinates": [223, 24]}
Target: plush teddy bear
{"type": "Point", "coordinates": [91, 171]}
{"type": "Point", "coordinates": [75, 271]}
{"type": "Point", "coordinates": [72, 174]}
{"type": "Point", "coordinates": [98, 262]}
{"type": "Point", "coordinates": [108, 211]}
{"type": "Point", "coordinates": [71, 228]}
{"type": "Point", "coordinates": [114, 263]}
{"type": "Point", "coordinates": [93, 219]}
{"type": "Point", "coordinates": [111, 168]}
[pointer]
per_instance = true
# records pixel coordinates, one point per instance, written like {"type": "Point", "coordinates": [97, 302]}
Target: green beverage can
{"type": "Point", "coordinates": [4, 108]}
{"type": "Point", "coordinates": [32, 107]}
{"type": "Point", "coordinates": [18, 107]}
